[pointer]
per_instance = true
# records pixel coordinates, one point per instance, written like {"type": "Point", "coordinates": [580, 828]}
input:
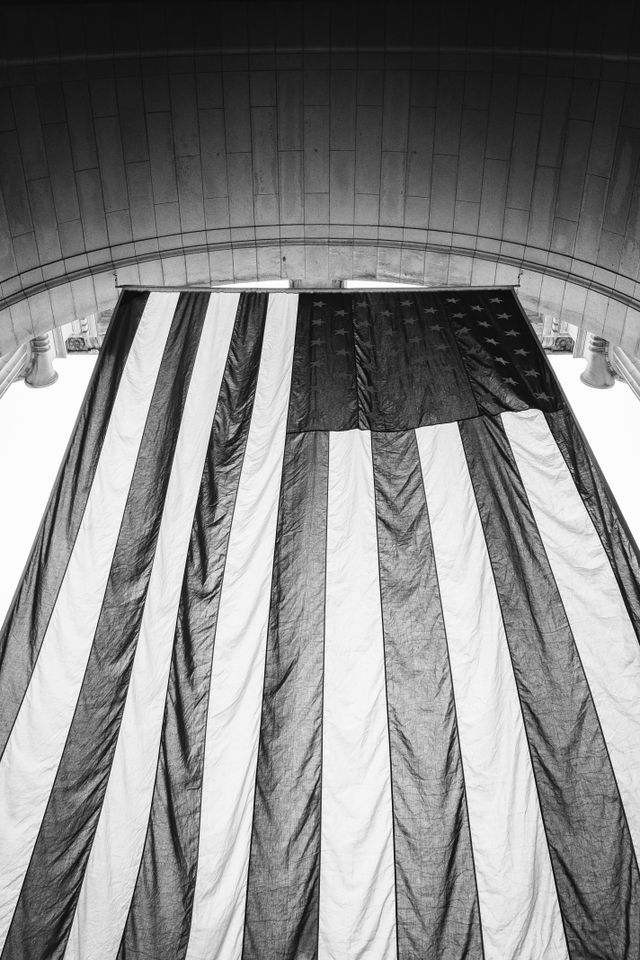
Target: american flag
{"type": "Point", "coordinates": [327, 648]}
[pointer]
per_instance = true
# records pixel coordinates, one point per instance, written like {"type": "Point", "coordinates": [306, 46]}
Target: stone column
{"type": "Point", "coordinates": [597, 372]}
{"type": "Point", "coordinates": [41, 372]}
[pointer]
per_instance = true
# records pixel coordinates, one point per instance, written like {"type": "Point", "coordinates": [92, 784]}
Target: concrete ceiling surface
{"type": "Point", "coordinates": [194, 144]}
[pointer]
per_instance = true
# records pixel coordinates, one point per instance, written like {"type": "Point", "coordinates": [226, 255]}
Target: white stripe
{"type": "Point", "coordinates": [518, 902]}
{"type": "Point", "coordinates": [357, 882]}
{"type": "Point", "coordinates": [602, 630]}
{"type": "Point", "coordinates": [235, 703]}
{"type": "Point", "coordinates": [33, 751]}
{"type": "Point", "coordinates": [112, 869]}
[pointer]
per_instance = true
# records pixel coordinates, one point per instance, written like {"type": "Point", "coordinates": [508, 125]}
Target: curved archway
{"type": "Point", "coordinates": [228, 142]}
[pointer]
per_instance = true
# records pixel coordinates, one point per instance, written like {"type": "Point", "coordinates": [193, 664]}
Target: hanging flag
{"type": "Point", "coordinates": [327, 648]}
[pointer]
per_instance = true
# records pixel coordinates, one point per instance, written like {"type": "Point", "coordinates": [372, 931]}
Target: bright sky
{"type": "Point", "coordinates": [35, 426]}
{"type": "Point", "coordinates": [610, 420]}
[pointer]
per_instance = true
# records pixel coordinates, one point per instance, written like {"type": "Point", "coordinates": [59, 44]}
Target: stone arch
{"type": "Point", "coordinates": [251, 141]}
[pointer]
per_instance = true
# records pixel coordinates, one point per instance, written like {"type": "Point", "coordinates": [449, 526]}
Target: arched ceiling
{"type": "Point", "coordinates": [446, 143]}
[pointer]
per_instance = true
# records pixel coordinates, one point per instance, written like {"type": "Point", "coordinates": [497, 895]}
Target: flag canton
{"type": "Point", "coordinates": [395, 361]}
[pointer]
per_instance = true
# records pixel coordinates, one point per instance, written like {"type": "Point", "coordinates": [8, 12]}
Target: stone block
{"type": "Point", "coordinates": [198, 270]}
{"type": "Point", "coordinates": [163, 170]}
{"type": "Point", "coordinates": [236, 103]}
{"type": "Point", "coordinates": [341, 197]}
{"type": "Point", "coordinates": [44, 218]}
{"type": "Point", "coordinates": [245, 265]}
{"type": "Point", "coordinates": [174, 270]}
{"type": "Point", "coordinates": [316, 149]}
{"type": "Point", "coordinates": [184, 115]}
{"type": "Point", "coordinates": [190, 193]}
{"type": "Point", "coordinates": [221, 265]}
{"type": "Point", "coordinates": [343, 110]}
{"type": "Point", "coordinates": [392, 188]}
{"type": "Point", "coordinates": [442, 206]}
{"type": "Point", "coordinates": [291, 167]}
{"type": "Point", "coordinates": [264, 150]}
{"type": "Point", "coordinates": [368, 146]}
{"type": "Point", "coordinates": [72, 241]}
{"type": "Point", "coordinates": [290, 110]}
{"type": "Point", "coordinates": [151, 274]}
{"type": "Point", "coordinates": [543, 202]}
{"type": "Point", "coordinates": [240, 178]}
{"type": "Point", "coordinates": [269, 262]}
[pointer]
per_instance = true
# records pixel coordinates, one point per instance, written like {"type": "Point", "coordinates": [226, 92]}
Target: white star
{"type": "Point", "coordinates": [386, 313]}
{"type": "Point", "coordinates": [509, 380]}
{"type": "Point", "coordinates": [436, 327]}
{"type": "Point", "coordinates": [531, 373]}
{"type": "Point", "coordinates": [495, 300]}
{"type": "Point", "coordinates": [319, 303]}
{"type": "Point", "coordinates": [491, 340]}
{"type": "Point", "coordinates": [512, 333]}
{"type": "Point", "coordinates": [483, 323]}
{"type": "Point", "coordinates": [361, 303]}
{"type": "Point", "coordinates": [430, 310]}
{"type": "Point", "coordinates": [340, 313]}
{"type": "Point", "coordinates": [463, 329]}
{"type": "Point", "coordinates": [542, 396]}
{"type": "Point", "coordinates": [476, 306]}
{"type": "Point", "coordinates": [502, 361]}
{"type": "Point", "coordinates": [521, 353]}
{"type": "Point", "coordinates": [452, 300]}
{"type": "Point", "coordinates": [503, 316]}
{"type": "Point", "coordinates": [405, 303]}
{"type": "Point", "coordinates": [458, 316]}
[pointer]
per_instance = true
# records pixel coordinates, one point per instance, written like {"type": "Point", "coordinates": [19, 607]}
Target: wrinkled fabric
{"type": "Point", "coordinates": [327, 648]}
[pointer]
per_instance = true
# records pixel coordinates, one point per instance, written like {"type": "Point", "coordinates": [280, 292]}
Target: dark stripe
{"type": "Point", "coordinates": [323, 379]}
{"type": "Point", "coordinates": [46, 905]}
{"type": "Point", "coordinates": [604, 512]}
{"type": "Point", "coordinates": [160, 914]}
{"type": "Point", "coordinates": [437, 899]}
{"type": "Point", "coordinates": [284, 868]}
{"type": "Point", "coordinates": [591, 851]}
{"type": "Point", "coordinates": [32, 606]}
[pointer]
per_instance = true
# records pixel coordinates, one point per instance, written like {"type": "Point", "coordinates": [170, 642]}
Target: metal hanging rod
{"type": "Point", "coordinates": [316, 288]}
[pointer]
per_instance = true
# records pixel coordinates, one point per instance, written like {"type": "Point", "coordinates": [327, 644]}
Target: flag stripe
{"type": "Point", "coordinates": [603, 632]}
{"type": "Point", "coordinates": [510, 851]}
{"type": "Point", "coordinates": [35, 598]}
{"type": "Point", "coordinates": [233, 722]}
{"type": "Point", "coordinates": [590, 846]}
{"type": "Point", "coordinates": [323, 379]}
{"type": "Point", "coordinates": [161, 906]}
{"type": "Point", "coordinates": [616, 540]}
{"type": "Point", "coordinates": [436, 889]}
{"type": "Point", "coordinates": [357, 888]}
{"type": "Point", "coordinates": [33, 751]}
{"type": "Point", "coordinates": [283, 884]}
{"type": "Point", "coordinates": [113, 864]}
{"type": "Point", "coordinates": [49, 892]}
